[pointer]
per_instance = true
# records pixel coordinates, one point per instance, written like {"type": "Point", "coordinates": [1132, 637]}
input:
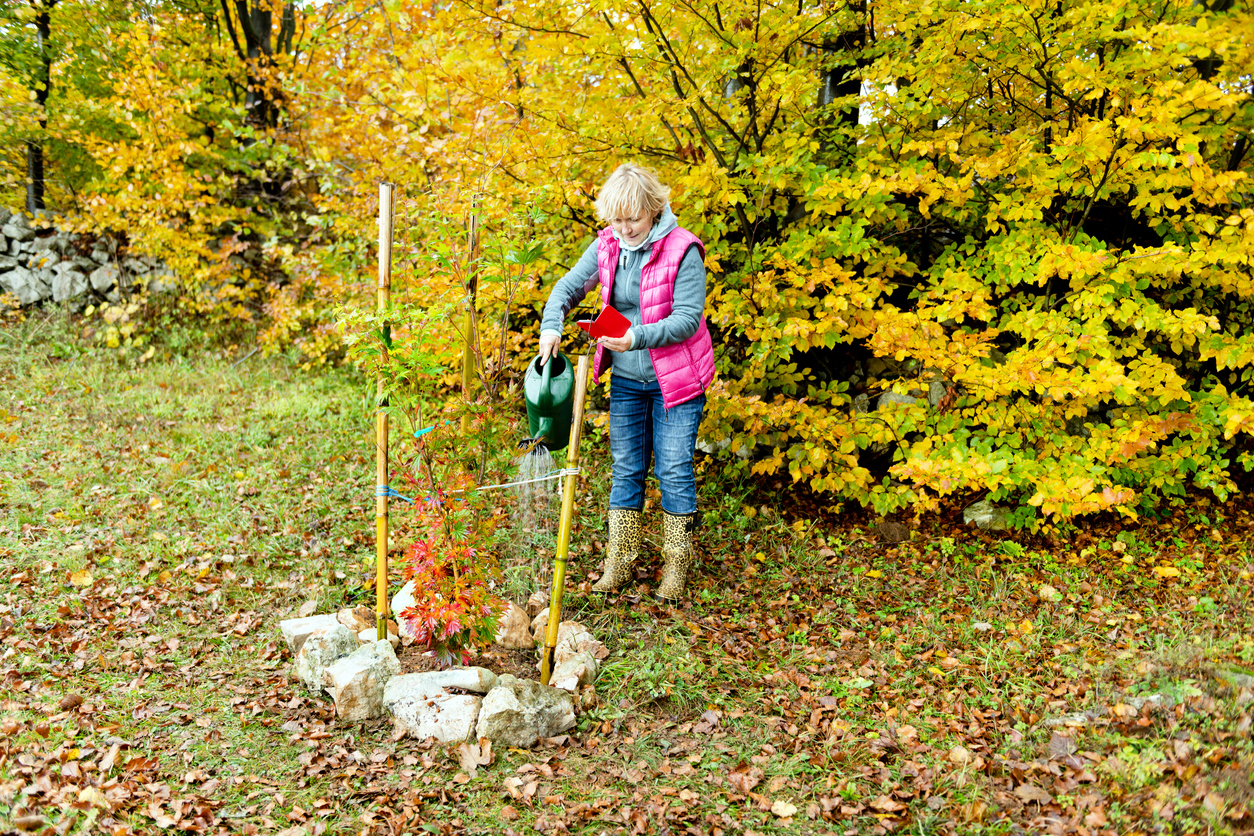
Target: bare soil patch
{"type": "Point", "coordinates": [523, 664]}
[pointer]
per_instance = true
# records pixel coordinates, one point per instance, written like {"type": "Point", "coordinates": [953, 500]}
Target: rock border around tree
{"type": "Point", "coordinates": [363, 678]}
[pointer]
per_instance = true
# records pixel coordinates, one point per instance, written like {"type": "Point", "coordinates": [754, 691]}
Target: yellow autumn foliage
{"type": "Point", "coordinates": [955, 252]}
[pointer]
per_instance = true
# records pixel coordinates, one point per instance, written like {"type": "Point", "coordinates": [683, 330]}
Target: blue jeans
{"type": "Point", "coordinates": [640, 428]}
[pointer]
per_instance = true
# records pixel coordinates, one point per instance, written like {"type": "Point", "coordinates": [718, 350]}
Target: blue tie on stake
{"type": "Point", "coordinates": [420, 433]}
{"type": "Point", "coordinates": [386, 490]}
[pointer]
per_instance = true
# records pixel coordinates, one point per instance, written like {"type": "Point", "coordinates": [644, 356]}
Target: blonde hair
{"type": "Point", "coordinates": [630, 190]}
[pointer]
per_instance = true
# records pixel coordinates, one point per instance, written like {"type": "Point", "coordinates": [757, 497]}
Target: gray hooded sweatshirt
{"type": "Point", "coordinates": [685, 316]}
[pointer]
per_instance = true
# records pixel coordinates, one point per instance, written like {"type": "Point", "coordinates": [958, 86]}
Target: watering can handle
{"type": "Point", "coordinates": [545, 398]}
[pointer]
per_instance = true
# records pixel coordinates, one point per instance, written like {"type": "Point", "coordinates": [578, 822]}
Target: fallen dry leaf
{"type": "Point", "coordinates": [471, 756]}
{"type": "Point", "coordinates": [110, 758]}
{"type": "Point", "coordinates": [744, 778]}
{"type": "Point", "coordinates": [521, 790]}
{"type": "Point", "coordinates": [973, 812]}
{"type": "Point", "coordinates": [1095, 818]}
{"type": "Point", "coordinates": [784, 809]}
{"type": "Point", "coordinates": [94, 797]}
{"type": "Point", "coordinates": [1031, 792]}
{"type": "Point", "coordinates": [960, 755]}
{"type": "Point", "coordinates": [1060, 745]}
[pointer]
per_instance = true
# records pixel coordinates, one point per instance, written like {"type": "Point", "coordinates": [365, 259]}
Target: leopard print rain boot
{"type": "Point", "coordinates": [621, 552]}
{"type": "Point", "coordinates": [677, 552]}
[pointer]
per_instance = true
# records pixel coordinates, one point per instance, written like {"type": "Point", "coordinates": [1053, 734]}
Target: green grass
{"type": "Point", "coordinates": [161, 517]}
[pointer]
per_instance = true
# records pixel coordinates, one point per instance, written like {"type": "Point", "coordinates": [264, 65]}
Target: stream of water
{"type": "Point", "coordinates": [530, 568]}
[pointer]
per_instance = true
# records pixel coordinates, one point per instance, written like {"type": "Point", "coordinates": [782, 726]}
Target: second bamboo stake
{"type": "Point", "coordinates": [563, 531]}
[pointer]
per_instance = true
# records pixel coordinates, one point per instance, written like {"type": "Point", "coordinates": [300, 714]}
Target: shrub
{"type": "Point", "coordinates": [1006, 254]}
{"type": "Point", "coordinates": [453, 608]}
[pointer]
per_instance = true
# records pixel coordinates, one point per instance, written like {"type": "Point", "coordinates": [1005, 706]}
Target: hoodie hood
{"type": "Point", "coordinates": [662, 227]}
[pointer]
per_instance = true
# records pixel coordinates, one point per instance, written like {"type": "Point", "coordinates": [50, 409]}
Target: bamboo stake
{"type": "Point", "coordinates": [468, 323]}
{"type": "Point", "coordinates": [381, 416]}
{"type": "Point", "coordinates": [563, 531]}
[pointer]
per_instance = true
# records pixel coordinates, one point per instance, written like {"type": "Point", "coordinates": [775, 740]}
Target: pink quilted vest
{"type": "Point", "coordinates": [685, 369]}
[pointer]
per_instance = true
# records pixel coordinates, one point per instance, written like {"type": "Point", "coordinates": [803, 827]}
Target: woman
{"type": "Point", "coordinates": [652, 272]}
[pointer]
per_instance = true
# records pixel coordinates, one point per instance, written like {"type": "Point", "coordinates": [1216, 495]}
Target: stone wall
{"type": "Point", "coordinates": [45, 264]}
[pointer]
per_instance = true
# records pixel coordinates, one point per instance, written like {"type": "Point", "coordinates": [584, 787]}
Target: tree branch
{"type": "Point", "coordinates": [230, 27]}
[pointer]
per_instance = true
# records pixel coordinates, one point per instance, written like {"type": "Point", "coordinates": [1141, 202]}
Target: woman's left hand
{"type": "Point", "coordinates": [620, 344]}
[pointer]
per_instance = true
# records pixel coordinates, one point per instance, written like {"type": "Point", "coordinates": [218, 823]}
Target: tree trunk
{"type": "Point", "coordinates": [35, 147]}
{"type": "Point", "coordinates": [842, 81]}
{"type": "Point", "coordinates": [255, 42]}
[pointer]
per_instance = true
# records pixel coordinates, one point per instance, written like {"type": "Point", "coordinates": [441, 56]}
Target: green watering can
{"type": "Point", "coordinates": [550, 392]}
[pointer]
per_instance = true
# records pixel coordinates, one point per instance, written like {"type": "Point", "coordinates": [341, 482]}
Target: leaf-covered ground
{"type": "Point", "coordinates": [160, 519]}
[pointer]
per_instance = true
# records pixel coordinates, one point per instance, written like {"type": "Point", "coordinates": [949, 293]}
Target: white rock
{"type": "Point", "coordinates": [18, 232]}
{"type": "Point", "coordinates": [371, 634]}
{"type": "Point", "coordinates": [162, 280]}
{"type": "Point", "coordinates": [42, 280]}
{"type": "Point", "coordinates": [401, 601]}
{"type": "Point", "coordinates": [43, 258]}
{"type": "Point", "coordinates": [514, 628]}
{"type": "Point", "coordinates": [103, 278]}
{"type": "Point", "coordinates": [1075, 719]}
{"type": "Point", "coordinates": [357, 618]}
{"type": "Point", "coordinates": [579, 669]}
{"type": "Point", "coordinates": [22, 284]}
{"type": "Point", "coordinates": [537, 602]}
{"type": "Point", "coordinates": [356, 681]}
{"type": "Point", "coordinates": [67, 283]}
{"type": "Point", "coordinates": [296, 630]}
{"type": "Point", "coordinates": [539, 625]}
{"type": "Point", "coordinates": [1154, 701]}
{"type": "Point", "coordinates": [892, 398]}
{"type": "Point", "coordinates": [51, 243]}
{"type": "Point", "coordinates": [479, 680]}
{"type": "Point", "coordinates": [421, 708]}
{"type": "Point", "coordinates": [985, 515]}
{"type": "Point", "coordinates": [572, 639]}
{"type": "Point", "coordinates": [519, 712]}
{"type": "Point", "coordinates": [1234, 679]}
{"type": "Point", "coordinates": [320, 651]}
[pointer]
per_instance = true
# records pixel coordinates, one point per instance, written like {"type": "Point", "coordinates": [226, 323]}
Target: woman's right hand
{"type": "Point", "coordinates": [548, 347]}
